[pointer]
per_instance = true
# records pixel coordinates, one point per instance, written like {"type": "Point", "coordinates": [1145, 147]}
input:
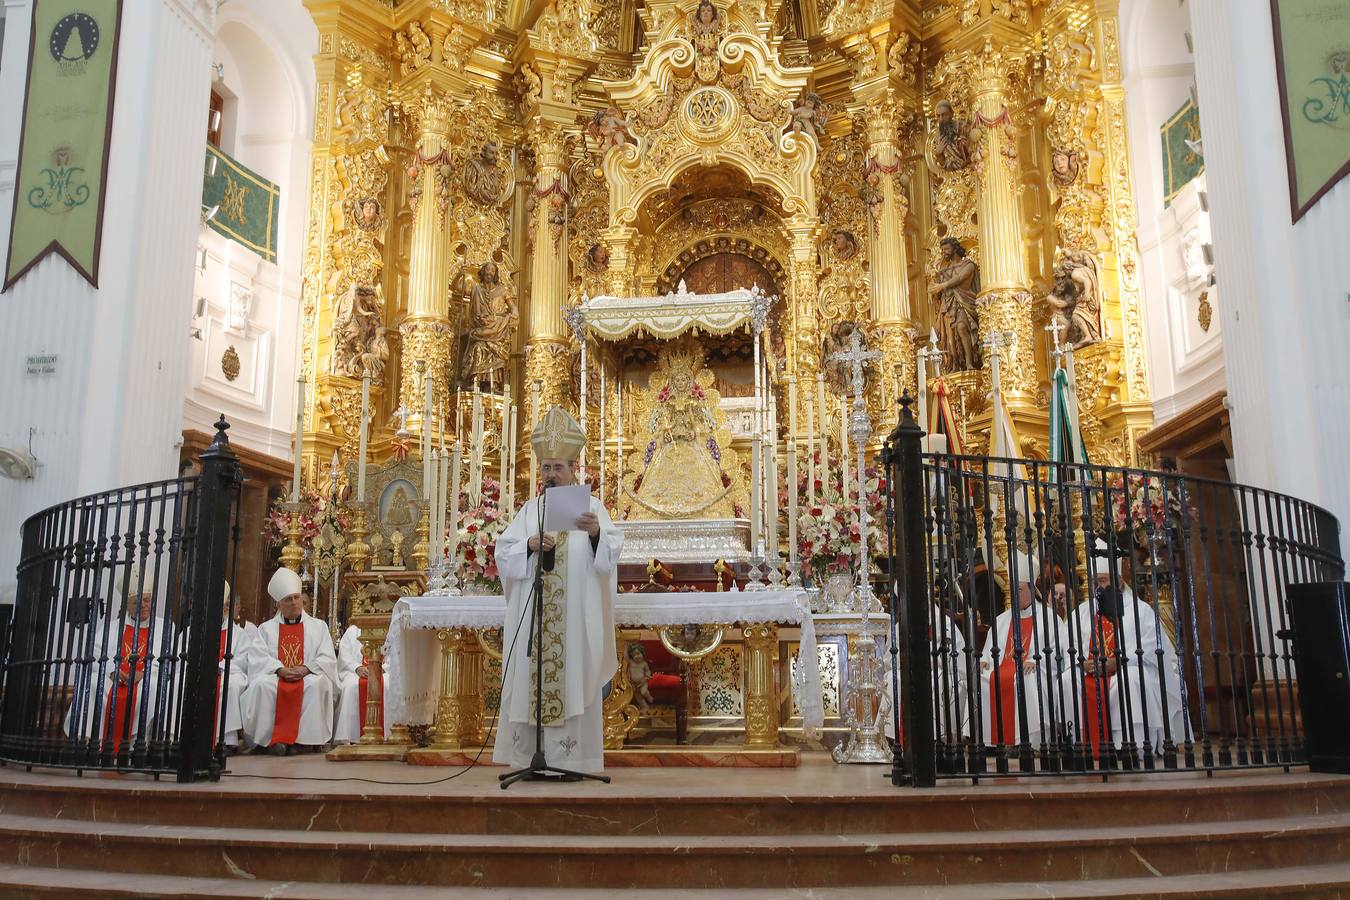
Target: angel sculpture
{"type": "Point", "coordinates": [609, 128]}
{"type": "Point", "coordinates": [809, 115]}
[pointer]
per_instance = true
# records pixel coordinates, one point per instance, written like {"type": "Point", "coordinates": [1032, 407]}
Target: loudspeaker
{"type": "Point", "coordinates": [1321, 614]}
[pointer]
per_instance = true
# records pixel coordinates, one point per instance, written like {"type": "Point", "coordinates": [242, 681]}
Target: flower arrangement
{"type": "Point", "coordinates": [476, 543]}
{"type": "Point", "coordinates": [316, 512]}
{"type": "Point", "coordinates": [1140, 505]}
{"type": "Point", "coordinates": [829, 538]}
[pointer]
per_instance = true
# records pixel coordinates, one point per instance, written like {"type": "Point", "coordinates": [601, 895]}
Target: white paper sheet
{"type": "Point", "coordinates": [563, 505]}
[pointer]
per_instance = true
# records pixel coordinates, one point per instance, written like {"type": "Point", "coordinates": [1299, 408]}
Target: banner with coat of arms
{"type": "Point", "coordinates": [63, 147]}
{"type": "Point", "coordinates": [246, 204]}
{"type": "Point", "coordinates": [1312, 59]}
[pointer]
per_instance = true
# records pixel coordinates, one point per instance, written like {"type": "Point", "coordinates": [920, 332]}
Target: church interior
{"type": "Point", "coordinates": [960, 384]}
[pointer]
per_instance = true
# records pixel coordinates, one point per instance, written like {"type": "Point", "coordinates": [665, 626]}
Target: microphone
{"type": "Point", "coordinates": [548, 557]}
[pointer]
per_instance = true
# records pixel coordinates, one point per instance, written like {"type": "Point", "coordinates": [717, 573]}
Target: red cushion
{"type": "Point", "coordinates": [664, 682]}
{"type": "Point", "coordinates": [658, 657]}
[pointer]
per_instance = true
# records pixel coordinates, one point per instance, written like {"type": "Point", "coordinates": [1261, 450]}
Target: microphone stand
{"type": "Point", "coordinates": [539, 768]}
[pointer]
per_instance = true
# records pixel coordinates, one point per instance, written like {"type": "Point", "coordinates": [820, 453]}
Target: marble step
{"type": "Point", "coordinates": [702, 861]}
{"type": "Point", "coordinates": [1329, 880]}
{"type": "Point", "coordinates": [601, 810]}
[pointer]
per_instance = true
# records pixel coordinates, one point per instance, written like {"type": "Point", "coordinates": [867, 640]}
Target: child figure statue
{"type": "Point", "coordinates": [639, 673]}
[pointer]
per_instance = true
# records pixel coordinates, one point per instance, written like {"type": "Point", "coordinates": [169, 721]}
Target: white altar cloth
{"type": "Point", "coordinates": [412, 653]}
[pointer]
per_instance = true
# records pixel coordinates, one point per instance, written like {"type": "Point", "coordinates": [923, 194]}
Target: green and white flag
{"type": "Point", "coordinates": [63, 148]}
{"type": "Point", "coordinates": [1066, 440]}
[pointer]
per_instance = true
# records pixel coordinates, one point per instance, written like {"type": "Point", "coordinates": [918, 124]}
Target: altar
{"type": "Point", "coordinates": [435, 648]}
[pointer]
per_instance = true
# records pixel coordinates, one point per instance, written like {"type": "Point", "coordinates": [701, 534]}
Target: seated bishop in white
{"type": "Point", "coordinates": [1023, 688]}
{"type": "Point", "coordinates": [119, 690]}
{"type": "Point", "coordinates": [579, 584]}
{"type": "Point", "coordinates": [289, 699]}
{"type": "Point", "coordinates": [352, 680]}
{"type": "Point", "coordinates": [948, 686]}
{"type": "Point", "coordinates": [1115, 630]}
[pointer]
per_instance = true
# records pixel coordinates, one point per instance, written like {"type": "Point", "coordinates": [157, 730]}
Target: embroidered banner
{"type": "Point", "coordinates": [63, 147]}
{"type": "Point", "coordinates": [1181, 164]}
{"type": "Point", "coordinates": [246, 204]}
{"type": "Point", "coordinates": [1312, 57]}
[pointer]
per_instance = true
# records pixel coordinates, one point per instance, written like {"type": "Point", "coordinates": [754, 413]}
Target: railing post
{"type": "Point", "coordinates": [216, 488]}
{"type": "Point", "coordinates": [910, 595]}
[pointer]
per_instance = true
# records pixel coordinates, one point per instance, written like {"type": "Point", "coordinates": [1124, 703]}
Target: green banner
{"type": "Point", "coordinates": [245, 204]}
{"type": "Point", "coordinates": [63, 148]}
{"type": "Point", "coordinates": [1312, 56]}
{"type": "Point", "coordinates": [1181, 163]}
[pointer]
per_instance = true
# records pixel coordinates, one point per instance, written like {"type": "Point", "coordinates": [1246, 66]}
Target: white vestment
{"type": "Point", "coordinates": [350, 715]}
{"type": "Point", "coordinates": [1047, 650]}
{"type": "Point", "coordinates": [949, 681]}
{"type": "Point", "coordinates": [586, 631]}
{"type": "Point", "coordinates": [241, 651]}
{"type": "Point", "coordinates": [94, 683]}
{"type": "Point", "coordinates": [1141, 693]}
{"type": "Point", "coordinates": [259, 705]}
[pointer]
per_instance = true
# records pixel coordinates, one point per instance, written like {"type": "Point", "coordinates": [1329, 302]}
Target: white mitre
{"type": "Point", "coordinates": [284, 583]}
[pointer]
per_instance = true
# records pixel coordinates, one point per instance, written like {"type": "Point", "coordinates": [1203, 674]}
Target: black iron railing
{"type": "Point", "coordinates": [115, 656]}
{"type": "Point", "coordinates": [1059, 618]}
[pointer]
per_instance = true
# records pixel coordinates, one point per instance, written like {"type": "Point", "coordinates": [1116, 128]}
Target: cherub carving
{"type": "Point", "coordinates": [609, 128]}
{"type": "Point", "coordinates": [809, 116]}
{"type": "Point", "coordinates": [639, 673]}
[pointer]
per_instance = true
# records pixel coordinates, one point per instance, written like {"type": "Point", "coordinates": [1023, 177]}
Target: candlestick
{"type": "Point", "coordinates": [426, 428]}
{"type": "Point", "coordinates": [299, 437]}
{"type": "Point", "coordinates": [459, 415]}
{"type": "Point", "coordinates": [792, 407]}
{"type": "Point", "coordinates": [456, 463]}
{"type": "Point", "coordinates": [793, 511]}
{"type": "Point", "coordinates": [756, 489]}
{"type": "Point", "coordinates": [433, 527]}
{"type": "Point", "coordinates": [440, 505]}
{"type": "Point", "coordinates": [601, 430]}
{"type": "Point", "coordinates": [363, 440]}
{"type": "Point", "coordinates": [502, 442]}
{"type": "Point", "coordinates": [921, 370]}
{"type": "Point", "coordinates": [476, 455]}
{"type": "Point", "coordinates": [822, 412]}
{"type": "Point", "coordinates": [771, 485]}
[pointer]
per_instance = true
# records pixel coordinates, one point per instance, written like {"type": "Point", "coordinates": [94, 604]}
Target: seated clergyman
{"type": "Point", "coordinates": [353, 682]}
{"type": "Point", "coordinates": [289, 701]}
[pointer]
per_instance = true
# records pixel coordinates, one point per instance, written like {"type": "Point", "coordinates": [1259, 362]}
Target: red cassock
{"type": "Point", "coordinates": [1003, 685]}
{"type": "Point", "coordinates": [1096, 697]}
{"type": "Point", "coordinates": [122, 697]}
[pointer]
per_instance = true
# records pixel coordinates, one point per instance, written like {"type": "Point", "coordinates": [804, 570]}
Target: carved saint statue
{"type": "Point", "coordinates": [494, 317]}
{"type": "Point", "coordinates": [809, 115]}
{"type": "Point", "coordinates": [958, 326]}
{"type": "Point", "coordinates": [1075, 300]}
{"type": "Point", "coordinates": [843, 245]}
{"type": "Point", "coordinates": [951, 143]}
{"type": "Point", "coordinates": [1063, 166]}
{"type": "Point", "coordinates": [705, 27]}
{"type": "Point", "coordinates": [367, 214]}
{"type": "Point", "coordinates": [529, 85]}
{"type": "Point", "coordinates": [597, 258]}
{"type": "Point", "coordinates": [483, 177]}
{"type": "Point", "coordinates": [359, 333]}
{"type": "Point", "coordinates": [609, 128]}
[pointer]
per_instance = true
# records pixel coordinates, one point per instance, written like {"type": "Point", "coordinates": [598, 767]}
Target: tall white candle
{"type": "Point", "coordinates": [810, 449]}
{"type": "Point", "coordinates": [456, 463]}
{"type": "Point", "coordinates": [535, 390]}
{"type": "Point", "coordinates": [756, 485]}
{"type": "Point", "coordinates": [771, 485]}
{"type": "Point", "coordinates": [476, 451]}
{"type": "Point", "coordinates": [363, 440]}
{"type": "Point", "coordinates": [427, 476]}
{"type": "Point", "coordinates": [843, 444]}
{"type": "Point", "coordinates": [921, 371]}
{"type": "Point", "coordinates": [793, 511]}
{"type": "Point", "coordinates": [433, 514]}
{"type": "Point", "coordinates": [505, 438]}
{"type": "Point", "coordinates": [618, 428]}
{"type": "Point", "coordinates": [824, 416]}
{"type": "Point", "coordinates": [441, 480]}
{"type": "Point", "coordinates": [603, 434]}
{"type": "Point", "coordinates": [299, 437]}
{"type": "Point", "coordinates": [509, 503]}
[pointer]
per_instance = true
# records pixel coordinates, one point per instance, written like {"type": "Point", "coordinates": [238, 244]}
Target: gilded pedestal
{"type": "Point", "coordinates": [761, 686]}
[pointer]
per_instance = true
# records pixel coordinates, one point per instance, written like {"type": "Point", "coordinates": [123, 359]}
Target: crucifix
{"type": "Point", "coordinates": [1056, 327]}
{"type": "Point", "coordinates": [402, 414]}
{"type": "Point", "coordinates": [857, 358]}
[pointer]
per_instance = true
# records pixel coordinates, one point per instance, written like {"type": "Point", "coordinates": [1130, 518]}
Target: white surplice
{"type": "Point", "coordinates": [590, 582]}
{"type": "Point", "coordinates": [94, 683]}
{"type": "Point", "coordinates": [259, 703]}
{"type": "Point", "coordinates": [1141, 695]}
{"type": "Point", "coordinates": [241, 651]}
{"type": "Point", "coordinates": [1045, 656]}
{"type": "Point", "coordinates": [949, 680]}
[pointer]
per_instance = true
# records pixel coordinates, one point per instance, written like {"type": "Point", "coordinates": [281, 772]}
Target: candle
{"type": "Point", "coordinates": [433, 514]}
{"type": "Point", "coordinates": [505, 450]}
{"type": "Point", "coordinates": [534, 420]}
{"type": "Point", "coordinates": [921, 370]}
{"type": "Point", "coordinates": [426, 430]}
{"type": "Point", "coordinates": [440, 504]}
{"type": "Point", "coordinates": [476, 459]}
{"type": "Point", "coordinates": [843, 444]}
{"type": "Point", "coordinates": [771, 486]}
{"type": "Point", "coordinates": [602, 429]}
{"type": "Point", "coordinates": [510, 503]}
{"type": "Point", "coordinates": [823, 415]}
{"type": "Point", "coordinates": [810, 450]}
{"type": "Point", "coordinates": [299, 436]}
{"type": "Point", "coordinates": [792, 407]}
{"type": "Point", "coordinates": [363, 440]}
{"type": "Point", "coordinates": [456, 461]}
{"type": "Point", "coordinates": [459, 416]}
{"type": "Point", "coordinates": [618, 427]}
{"type": "Point", "coordinates": [792, 501]}
{"type": "Point", "coordinates": [756, 486]}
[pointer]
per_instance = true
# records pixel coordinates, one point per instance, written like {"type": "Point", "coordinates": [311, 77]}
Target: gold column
{"type": "Point", "coordinates": [804, 350]}
{"type": "Point", "coordinates": [761, 686]}
{"type": "Point", "coordinates": [1005, 298]}
{"type": "Point", "coordinates": [459, 708]}
{"type": "Point", "coordinates": [426, 330]}
{"type": "Point", "coordinates": [547, 357]}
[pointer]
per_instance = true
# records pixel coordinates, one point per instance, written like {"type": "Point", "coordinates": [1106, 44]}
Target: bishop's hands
{"type": "Point", "coordinates": [589, 523]}
{"type": "Point", "coordinates": [548, 542]}
{"type": "Point", "coordinates": [292, 673]}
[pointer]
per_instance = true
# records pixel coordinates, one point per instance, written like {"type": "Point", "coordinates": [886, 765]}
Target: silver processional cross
{"type": "Point", "coordinates": [857, 358]}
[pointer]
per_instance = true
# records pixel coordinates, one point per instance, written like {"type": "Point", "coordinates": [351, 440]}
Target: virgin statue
{"type": "Point", "coordinates": [687, 469]}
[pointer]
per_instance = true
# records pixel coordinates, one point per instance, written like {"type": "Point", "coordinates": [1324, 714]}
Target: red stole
{"type": "Point", "coordinates": [361, 702]}
{"type": "Point", "coordinates": [220, 678]}
{"type": "Point", "coordinates": [1005, 677]}
{"type": "Point", "coordinates": [290, 694]}
{"type": "Point", "coordinates": [1096, 712]}
{"type": "Point", "coordinates": [122, 697]}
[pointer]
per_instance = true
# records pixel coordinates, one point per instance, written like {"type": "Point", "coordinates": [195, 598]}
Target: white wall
{"type": "Point", "coordinates": [111, 415]}
{"type": "Point", "coordinates": [1185, 361]}
{"type": "Point", "coordinates": [265, 50]}
{"type": "Point", "coordinates": [1285, 313]}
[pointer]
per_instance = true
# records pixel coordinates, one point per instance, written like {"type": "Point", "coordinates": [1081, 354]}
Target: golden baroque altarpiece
{"type": "Point", "coordinates": [481, 165]}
